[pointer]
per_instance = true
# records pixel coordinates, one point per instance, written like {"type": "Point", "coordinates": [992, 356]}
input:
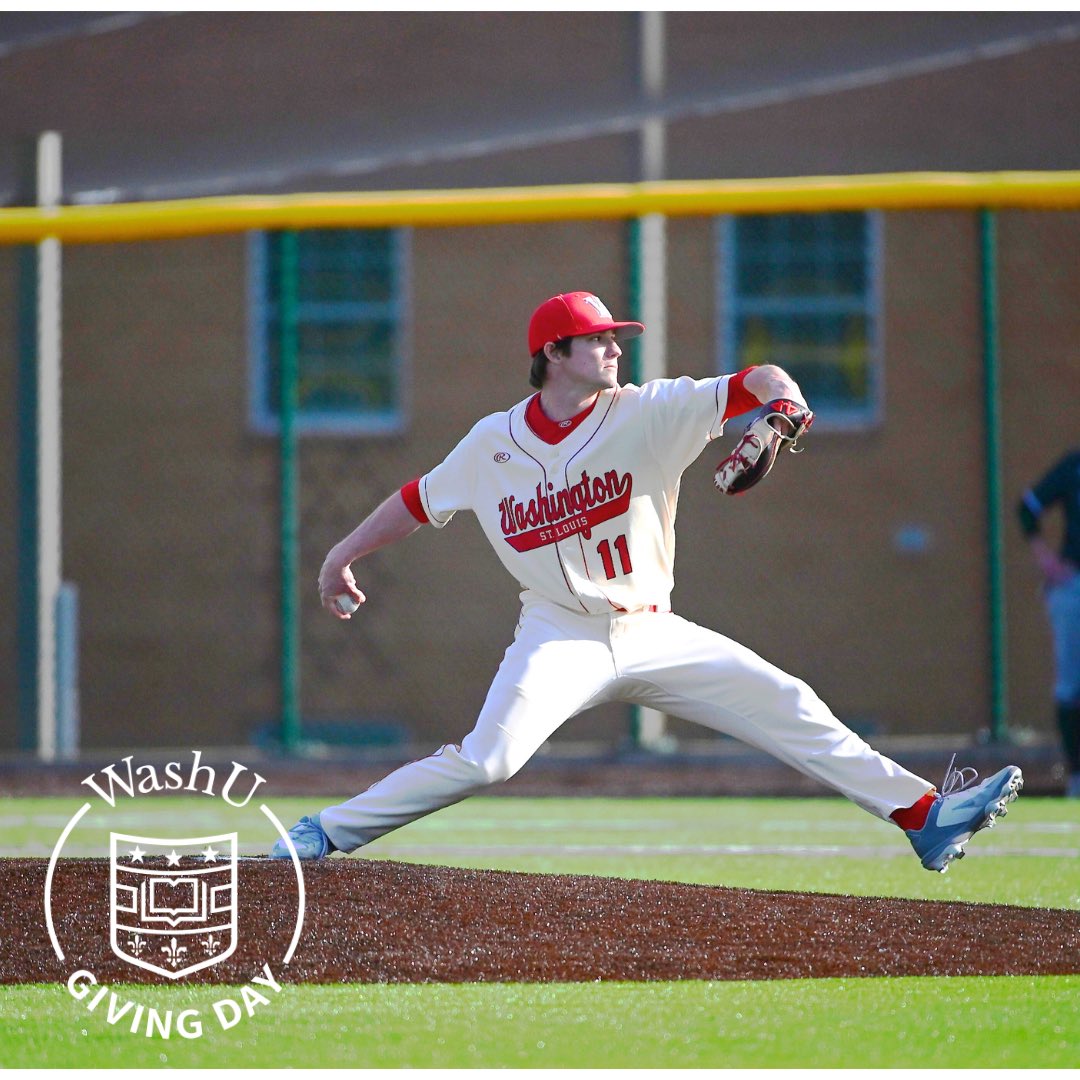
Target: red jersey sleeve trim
{"type": "Point", "coordinates": [410, 495]}
{"type": "Point", "coordinates": [739, 399]}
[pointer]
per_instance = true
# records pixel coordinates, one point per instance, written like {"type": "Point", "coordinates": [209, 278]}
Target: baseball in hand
{"type": "Point", "coordinates": [345, 604]}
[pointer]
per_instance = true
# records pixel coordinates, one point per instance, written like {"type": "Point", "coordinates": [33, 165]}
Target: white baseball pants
{"type": "Point", "coordinates": [562, 663]}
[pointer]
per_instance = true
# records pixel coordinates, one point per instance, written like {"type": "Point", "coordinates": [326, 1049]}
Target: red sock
{"type": "Point", "coordinates": [914, 817]}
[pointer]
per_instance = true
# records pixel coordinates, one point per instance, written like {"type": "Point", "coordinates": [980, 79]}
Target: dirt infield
{"type": "Point", "coordinates": [387, 922]}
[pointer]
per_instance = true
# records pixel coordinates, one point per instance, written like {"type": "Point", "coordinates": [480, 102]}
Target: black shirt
{"type": "Point", "coordinates": [1060, 485]}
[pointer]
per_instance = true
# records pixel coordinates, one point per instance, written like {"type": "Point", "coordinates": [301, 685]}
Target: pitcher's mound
{"type": "Point", "coordinates": [375, 921]}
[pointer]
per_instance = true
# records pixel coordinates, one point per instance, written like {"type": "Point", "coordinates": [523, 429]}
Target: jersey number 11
{"type": "Point", "coordinates": [604, 551]}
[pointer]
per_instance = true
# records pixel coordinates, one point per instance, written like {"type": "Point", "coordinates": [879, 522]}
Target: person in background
{"type": "Point", "coordinates": [1061, 587]}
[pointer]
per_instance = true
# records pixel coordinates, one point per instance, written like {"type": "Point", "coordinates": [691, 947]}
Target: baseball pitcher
{"type": "Point", "coordinates": [576, 488]}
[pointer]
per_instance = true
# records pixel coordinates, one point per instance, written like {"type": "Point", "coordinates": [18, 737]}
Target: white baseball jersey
{"type": "Point", "coordinates": [587, 523]}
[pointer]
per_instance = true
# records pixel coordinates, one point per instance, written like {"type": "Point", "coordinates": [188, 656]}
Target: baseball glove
{"type": "Point", "coordinates": [775, 424]}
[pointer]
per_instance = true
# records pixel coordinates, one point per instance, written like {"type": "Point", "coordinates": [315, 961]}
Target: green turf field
{"type": "Point", "coordinates": [825, 845]}
{"type": "Point", "coordinates": [873, 1023]}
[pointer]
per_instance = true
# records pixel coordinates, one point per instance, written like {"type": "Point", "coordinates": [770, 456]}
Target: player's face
{"type": "Point", "coordinates": [594, 360]}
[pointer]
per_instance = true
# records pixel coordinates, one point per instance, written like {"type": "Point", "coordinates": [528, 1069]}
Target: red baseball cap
{"type": "Point", "coordinates": [571, 314]}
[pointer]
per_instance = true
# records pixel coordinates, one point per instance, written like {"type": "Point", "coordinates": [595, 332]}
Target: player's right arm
{"type": "Point", "coordinates": [432, 499]}
{"type": "Point", "coordinates": [391, 521]}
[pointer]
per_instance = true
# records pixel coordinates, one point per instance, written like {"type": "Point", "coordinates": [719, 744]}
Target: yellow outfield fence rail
{"type": "Point", "coordinates": [89, 224]}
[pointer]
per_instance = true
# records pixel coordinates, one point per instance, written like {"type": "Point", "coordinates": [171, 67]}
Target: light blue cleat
{"type": "Point", "coordinates": [308, 838]}
{"type": "Point", "coordinates": [960, 811]}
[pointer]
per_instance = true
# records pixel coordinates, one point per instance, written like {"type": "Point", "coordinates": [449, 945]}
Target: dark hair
{"type": "Point", "coordinates": [538, 372]}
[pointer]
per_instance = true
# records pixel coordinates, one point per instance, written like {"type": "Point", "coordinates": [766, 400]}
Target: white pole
{"type": "Point", "coordinates": [49, 462]}
{"type": "Point", "coordinates": [653, 226]}
{"type": "Point", "coordinates": [650, 723]}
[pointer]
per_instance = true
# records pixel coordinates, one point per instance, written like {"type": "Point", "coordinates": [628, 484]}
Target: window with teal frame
{"type": "Point", "coordinates": [351, 331]}
{"type": "Point", "coordinates": [801, 291]}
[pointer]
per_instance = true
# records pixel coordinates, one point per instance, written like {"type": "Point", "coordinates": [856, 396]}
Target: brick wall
{"type": "Point", "coordinates": [170, 500]}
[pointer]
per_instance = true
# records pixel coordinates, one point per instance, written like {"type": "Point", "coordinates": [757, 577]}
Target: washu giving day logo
{"type": "Point", "coordinates": [168, 903]}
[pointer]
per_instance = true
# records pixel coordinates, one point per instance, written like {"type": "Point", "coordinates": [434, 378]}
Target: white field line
{"type": "Point", "coordinates": [613, 850]}
{"type": "Point", "coordinates": [116, 819]}
{"type": "Point", "coordinates": [854, 837]}
{"type": "Point", "coordinates": [856, 824]}
{"type": "Point", "coordinates": [428, 850]}
{"type": "Point", "coordinates": [87, 851]}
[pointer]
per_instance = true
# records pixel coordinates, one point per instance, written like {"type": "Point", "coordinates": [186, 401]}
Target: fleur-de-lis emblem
{"type": "Point", "coordinates": [210, 944]}
{"type": "Point", "coordinates": [173, 951]}
{"type": "Point", "coordinates": [138, 943]}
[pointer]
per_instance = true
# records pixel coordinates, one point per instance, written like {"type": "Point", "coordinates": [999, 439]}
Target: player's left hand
{"type": "Point", "coordinates": [1056, 571]}
{"type": "Point", "coordinates": [778, 423]}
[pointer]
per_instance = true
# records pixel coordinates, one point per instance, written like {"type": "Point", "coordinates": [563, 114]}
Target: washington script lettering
{"type": "Point", "coordinates": [551, 517]}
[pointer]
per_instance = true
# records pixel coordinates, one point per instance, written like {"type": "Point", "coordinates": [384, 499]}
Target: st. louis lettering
{"type": "Point", "coordinates": [563, 530]}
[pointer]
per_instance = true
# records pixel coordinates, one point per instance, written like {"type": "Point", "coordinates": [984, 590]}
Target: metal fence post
{"type": "Point", "coordinates": [288, 348]}
{"type": "Point", "coordinates": [995, 548]}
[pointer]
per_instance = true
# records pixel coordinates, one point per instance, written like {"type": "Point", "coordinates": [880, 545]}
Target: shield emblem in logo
{"type": "Point", "coordinates": [172, 903]}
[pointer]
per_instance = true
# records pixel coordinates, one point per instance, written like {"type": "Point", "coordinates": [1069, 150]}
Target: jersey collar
{"type": "Point", "coordinates": [550, 431]}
